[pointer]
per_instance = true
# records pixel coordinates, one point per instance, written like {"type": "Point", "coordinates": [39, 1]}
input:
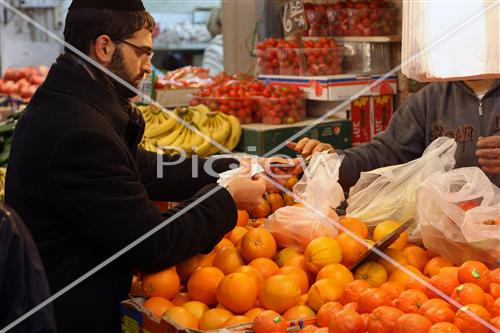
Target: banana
{"type": "Point", "coordinates": [186, 141]}
{"type": "Point", "coordinates": [235, 135]}
{"type": "Point", "coordinates": [171, 137]}
{"type": "Point", "coordinates": [162, 125]}
{"type": "Point", "coordinates": [180, 138]}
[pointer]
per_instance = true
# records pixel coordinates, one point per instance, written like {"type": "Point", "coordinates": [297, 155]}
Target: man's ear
{"type": "Point", "coordinates": [103, 49]}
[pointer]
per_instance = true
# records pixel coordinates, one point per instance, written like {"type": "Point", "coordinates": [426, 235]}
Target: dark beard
{"type": "Point", "coordinates": [117, 67]}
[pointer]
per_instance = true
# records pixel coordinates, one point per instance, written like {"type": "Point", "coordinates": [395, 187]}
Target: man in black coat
{"type": "Point", "coordinates": [84, 189]}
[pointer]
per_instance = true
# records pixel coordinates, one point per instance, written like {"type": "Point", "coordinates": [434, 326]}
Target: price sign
{"type": "Point", "coordinates": [294, 17]}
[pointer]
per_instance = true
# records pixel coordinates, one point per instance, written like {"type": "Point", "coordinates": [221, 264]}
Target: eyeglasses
{"type": "Point", "coordinates": [144, 50]}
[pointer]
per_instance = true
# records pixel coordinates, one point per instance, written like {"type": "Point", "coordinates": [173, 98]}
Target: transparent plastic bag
{"type": "Point", "coordinates": [453, 232]}
{"type": "Point", "coordinates": [294, 226]}
{"type": "Point", "coordinates": [391, 192]}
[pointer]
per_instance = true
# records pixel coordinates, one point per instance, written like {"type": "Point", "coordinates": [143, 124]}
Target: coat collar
{"type": "Point", "coordinates": [69, 77]}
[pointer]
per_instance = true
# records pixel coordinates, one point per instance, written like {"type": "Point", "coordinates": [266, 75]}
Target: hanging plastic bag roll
{"type": "Point", "coordinates": [454, 232]}
{"type": "Point", "coordinates": [294, 226]}
{"type": "Point", "coordinates": [391, 192]}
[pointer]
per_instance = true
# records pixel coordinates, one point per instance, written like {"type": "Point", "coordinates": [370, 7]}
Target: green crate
{"type": "Point", "coordinates": [259, 139]}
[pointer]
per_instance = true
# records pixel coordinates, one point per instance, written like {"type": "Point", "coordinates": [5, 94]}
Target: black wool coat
{"type": "Point", "coordinates": [85, 191]}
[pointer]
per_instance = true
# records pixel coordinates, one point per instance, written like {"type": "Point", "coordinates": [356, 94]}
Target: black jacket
{"type": "Point", "coordinates": [84, 190]}
{"type": "Point", "coordinates": [23, 284]}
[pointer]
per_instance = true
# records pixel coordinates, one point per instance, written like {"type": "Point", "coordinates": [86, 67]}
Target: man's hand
{"type": "Point", "coordinates": [488, 153]}
{"type": "Point", "coordinates": [307, 147]}
{"type": "Point", "coordinates": [246, 192]}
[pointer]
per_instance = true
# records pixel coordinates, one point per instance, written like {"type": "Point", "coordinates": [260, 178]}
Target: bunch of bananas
{"type": "Point", "coordinates": [164, 130]}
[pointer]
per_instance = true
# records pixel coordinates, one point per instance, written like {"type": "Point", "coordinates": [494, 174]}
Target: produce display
{"type": "Point", "coordinates": [23, 82]}
{"type": "Point", "coordinates": [349, 18]}
{"type": "Point", "coordinates": [162, 130]}
{"type": "Point", "coordinates": [185, 77]}
{"type": "Point", "coordinates": [251, 101]}
{"type": "Point", "coordinates": [250, 278]}
{"type": "Point", "coordinates": [284, 57]}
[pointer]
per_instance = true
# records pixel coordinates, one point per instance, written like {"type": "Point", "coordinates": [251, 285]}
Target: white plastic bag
{"type": "Point", "coordinates": [445, 41]}
{"type": "Point", "coordinates": [294, 226]}
{"type": "Point", "coordinates": [391, 192]}
{"type": "Point", "coordinates": [455, 233]}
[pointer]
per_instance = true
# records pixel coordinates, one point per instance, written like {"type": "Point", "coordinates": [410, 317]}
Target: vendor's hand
{"type": "Point", "coordinates": [246, 192]}
{"type": "Point", "coordinates": [307, 147]}
{"type": "Point", "coordinates": [278, 171]}
{"type": "Point", "coordinates": [488, 153]}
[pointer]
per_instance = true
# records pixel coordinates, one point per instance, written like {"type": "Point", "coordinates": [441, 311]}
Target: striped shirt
{"type": "Point", "coordinates": [213, 58]}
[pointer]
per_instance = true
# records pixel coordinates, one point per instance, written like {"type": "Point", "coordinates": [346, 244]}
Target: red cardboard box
{"type": "Point", "coordinates": [382, 112]}
{"type": "Point", "coordinates": [360, 117]}
{"type": "Point", "coordinates": [370, 115]}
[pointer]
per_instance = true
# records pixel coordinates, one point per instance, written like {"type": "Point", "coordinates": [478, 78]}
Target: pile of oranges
{"type": "Point", "coordinates": [249, 278]}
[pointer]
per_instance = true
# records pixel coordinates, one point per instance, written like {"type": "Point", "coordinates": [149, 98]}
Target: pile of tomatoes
{"type": "Point", "coordinates": [284, 57]}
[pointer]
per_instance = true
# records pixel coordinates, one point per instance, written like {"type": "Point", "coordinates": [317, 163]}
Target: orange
{"type": "Point", "coordinates": [247, 269]}
{"type": "Point", "coordinates": [266, 266]}
{"type": "Point", "coordinates": [495, 290]}
{"type": "Point", "coordinates": [162, 284]}
{"type": "Point", "coordinates": [446, 281]}
{"type": "Point", "coordinates": [437, 310]}
{"type": "Point", "coordinates": [419, 285]}
{"type": "Point", "coordinates": [493, 305]}
{"type": "Point", "coordinates": [298, 275]}
{"type": "Point", "coordinates": [197, 308]}
{"type": "Point", "coordinates": [222, 244]}
{"type": "Point", "coordinates": [475, 272]}
{"type": "Point", "coordinates": [410, 301]}
{"type": "Point", "coordinates": [303, 299]}
{"type": "Point", "coordinates": [468, 324]}
{"type": "Point", "coordinates": [353, 290]}
{"type": "Point", "coordinates": [496, 322]}
{"type": "Point", "coordinates": [279, 293]}
{"type": "Point", "coordinates": [322, 251]}
{"type": "Point", "coordinates": [434, 265]}
{"type": "Point", "coordinates": [402, 277]}
{"type": "Point", "coordinates": [269, 322]}
{"type": "Point", "coordinates": [285, 254]}
{"type": "Point", "coordinates": [236, 234]}
{"type": "Point", "coordinates": [258, 243]}
{"type": "Point", "coordinates": [228, 260]}
{"type": "Point", "coordinates": [182, 317]}
{"type": "Point", "coordinates": [214, 319]}
{"type": "Point", "coordinates": [372, 272]}
{"type": "Point", "coordinates": [187, 267]}
{"type": "Point", "coordinates": [261, 210]}
{"type": "Point", "coordinates": [202, 285]}
{"type": "Point", "coordinates": [355, 225]}
{"type": "Point", "coordinates": [288, 199]}
{"type": "Point", "coordinates": [275, 201]}
{"type": "Point", "coordinates": [180, 299]}
{"type": "Point", "coordinates": [469, 293]}
{"type": "Point", "coordinates": [326, 313]}
{"type": "Point", "coordinates": [252, 313]}
{"type": "Point", "coordinates": [243, 218]}
{"type": "Point", "coordinates": [300, 262]}
{"type": "Point", "coordinates": [298, 312]}
{"type": "Point", "coordinates": [236, 320]}
{"type": "Point", "coordinates": [412, 322]}
{"type": "Point", "coordinates": [352, 249]}
{"type": "Point", "coordinates": [397, 256]}
{"type": "Point", "coordinates": [238, 292]}
{"type": "Point", "coordinates": [416, 256]}
{"type": "Point", "coordinates": [323, 291]}
{"type": "Point", "coordinates": [495, 275]}
{"type": "Point", "coordinates": [392, 288]}
{"type": "Point", "coordinates": [346, 321]}
{"type": "Point", "coordinates": [383, 319]}
{"type": "Point", "coordinates": [255, 223]}
{"type": "Point", "coordinates": [372, 298]}
{"type": "Point", "coordinates": [443, 327]}
{"type": "Point", "coordinates": [158, 305]}
{"type": "Point", "coordinates": [385, 228]}
{"type": "Point", "coordinates": [338, 272]}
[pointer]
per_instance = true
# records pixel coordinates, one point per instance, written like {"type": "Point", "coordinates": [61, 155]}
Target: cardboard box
{"type": "Point", "coordinates": [335, 87]}
{"type": "Point", "coordinates": [136, 319]}
{"type": "Point", "coordinates": [259, 139]}
{"type": "Point", "coordinates": [370, 116]}
{"type": "Point", "coordinates": [174, 97]}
